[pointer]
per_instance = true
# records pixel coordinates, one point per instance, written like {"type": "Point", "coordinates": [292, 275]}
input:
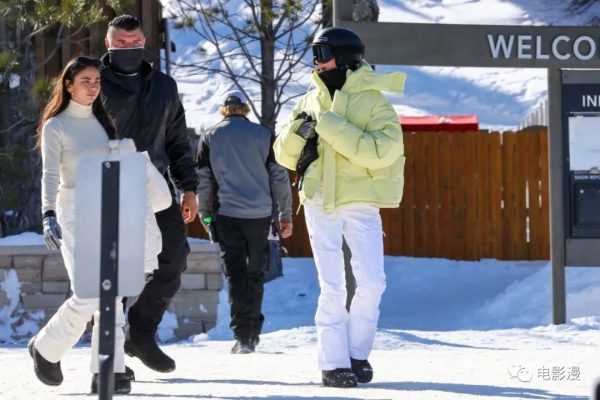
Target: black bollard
{"type": "Point", "coordinates": [109, 256]}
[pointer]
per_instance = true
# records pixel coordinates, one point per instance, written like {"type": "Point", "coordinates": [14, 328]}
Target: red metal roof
{"type": "Point", "coordinates": [435, 123]}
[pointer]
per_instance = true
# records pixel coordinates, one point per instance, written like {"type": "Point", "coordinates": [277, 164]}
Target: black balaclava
{"type": "Point", "coordinates": [334, 79]}
{"type": "Point", "coordinates": [126, 61]}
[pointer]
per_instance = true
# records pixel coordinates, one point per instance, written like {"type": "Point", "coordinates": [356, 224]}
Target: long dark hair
{"type": "Point", "coordinates": [61, 97]}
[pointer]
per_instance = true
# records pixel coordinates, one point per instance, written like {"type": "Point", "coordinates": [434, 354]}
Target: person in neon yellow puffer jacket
{"type": "Point", "coordinates": [358, 168]}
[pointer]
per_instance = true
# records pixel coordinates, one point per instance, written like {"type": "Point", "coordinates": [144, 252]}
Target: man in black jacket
{"type": "Point", "coordinates": [145, 106]}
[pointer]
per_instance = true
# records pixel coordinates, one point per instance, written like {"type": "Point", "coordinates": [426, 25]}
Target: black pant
{"type": "Point", "coordinates": [246, 247]}
{"type": "Point", "coordinates": [145, 315]}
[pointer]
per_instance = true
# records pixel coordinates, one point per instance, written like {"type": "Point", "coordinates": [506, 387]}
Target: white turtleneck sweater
{"type": "Point", "coordinates": [67, 137]}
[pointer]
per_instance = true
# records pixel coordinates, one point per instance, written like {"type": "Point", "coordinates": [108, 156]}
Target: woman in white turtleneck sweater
{"type": "Point", "coordinates": [74, 124]}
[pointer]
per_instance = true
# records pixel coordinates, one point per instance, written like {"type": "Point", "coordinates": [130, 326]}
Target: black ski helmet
{"type": "Point", "coordinates": [341, 43]}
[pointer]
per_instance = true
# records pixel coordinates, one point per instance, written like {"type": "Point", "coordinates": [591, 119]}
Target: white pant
{"type": "Point", "coordinates": [65, 328]}
{"type": "Point", "coordinates": [342, 335]}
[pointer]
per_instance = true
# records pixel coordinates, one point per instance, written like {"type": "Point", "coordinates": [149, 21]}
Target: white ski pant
{"type": "Point", "coordinates": [65, 328]}
{"type": "Point", "coordinates": [343, 334]}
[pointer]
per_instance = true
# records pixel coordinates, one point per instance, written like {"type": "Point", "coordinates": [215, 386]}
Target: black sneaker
{"type": "Point", "coordinates": [129, 374]}
{"type": "Point", "coordinates": [122, 383]}
{"type": "Point", "coordinates": [46, 371]}
{"type": "Point", "coordinates": [243, 346]}
{"type": "Point", "coordinates": [362, 369]}
{"type": "Point", "coordinates": [340, 378]}
{"type": "Point", "coordinates": [146, 349]}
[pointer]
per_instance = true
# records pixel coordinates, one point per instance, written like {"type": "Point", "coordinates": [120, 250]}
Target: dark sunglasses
{"type": "Point", "coordinates": [322, 53]}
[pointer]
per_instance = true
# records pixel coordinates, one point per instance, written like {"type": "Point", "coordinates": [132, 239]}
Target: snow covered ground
{"type": "Point", "coordinates": [419, 365]}
{"type": "Point", "coordinates": [449, 330]}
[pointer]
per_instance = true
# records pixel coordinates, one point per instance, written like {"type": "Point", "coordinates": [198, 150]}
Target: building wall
{"type": "Point", "coordinates": [45, 286]}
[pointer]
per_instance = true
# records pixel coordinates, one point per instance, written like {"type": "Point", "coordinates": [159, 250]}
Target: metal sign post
{"type": "Point", "coordinates": [109, 256]}
{"type": "Point", "coordinates": [557, 234]}
{"type": "Point", "coordinates": [575, 234]}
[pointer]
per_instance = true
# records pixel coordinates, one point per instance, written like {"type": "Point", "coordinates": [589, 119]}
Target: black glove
{"type": "Point", "coordinates": [307, 129]}
{"type": "Point", "coordinates": [52, 232]}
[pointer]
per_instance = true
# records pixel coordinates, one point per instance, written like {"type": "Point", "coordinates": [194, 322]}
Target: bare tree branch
{"type": "Point", "coordinates": [244, 49]}
{"type": "Point", "coordinates": [223, 28]}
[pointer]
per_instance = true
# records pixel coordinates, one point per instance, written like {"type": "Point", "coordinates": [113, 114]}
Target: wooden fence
{"type": "Point", "coordinates": [467, 196]}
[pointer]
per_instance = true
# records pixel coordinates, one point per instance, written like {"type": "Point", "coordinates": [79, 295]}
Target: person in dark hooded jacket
{"type": "Point", "coordinates": [145, 106]}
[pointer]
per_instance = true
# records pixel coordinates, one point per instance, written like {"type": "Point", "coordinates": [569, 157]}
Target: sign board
{"type": "Point", "coordinates": [513, 46]}
{"type": "Point", "coordinates": [131, 219]}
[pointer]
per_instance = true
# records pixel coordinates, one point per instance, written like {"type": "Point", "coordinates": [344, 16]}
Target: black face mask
{"type": "Point", "coordinates": [334, 79]}
{"type": "Point", "coordinates": [126, 61]}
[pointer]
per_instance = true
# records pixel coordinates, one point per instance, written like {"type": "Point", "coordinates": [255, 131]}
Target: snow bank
{"type": "Point", "coordinates": [528, 302]}
{"type": "Point", "coordinates": [435, 295]}
{"type": "Point", "coordinates": [167, 326]}
{"type": "Point", "coordinates": [11, 288]}
{"type": "Point", "coordinates": [23, 239]}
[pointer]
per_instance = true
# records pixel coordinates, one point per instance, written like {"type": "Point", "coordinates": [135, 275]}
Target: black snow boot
{"type": "Point", "coordinates": [340, 378]}
{"type": "Point", "coordinates": [46, 371]}
{"type": "Point", "coordinates": [146, 349]}
{"type": "Point", "coordinates": [243, 346]}
{"type": "Point", "coordinates": [122, 384]}
{"type": "Point", "coordinates": [362, 369]}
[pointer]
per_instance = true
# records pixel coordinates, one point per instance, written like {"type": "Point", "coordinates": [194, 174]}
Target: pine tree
{"type": "Point", "coordinates": [23, 91]}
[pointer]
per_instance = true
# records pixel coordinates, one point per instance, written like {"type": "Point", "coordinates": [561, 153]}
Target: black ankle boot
{"type": "Point", "coordinates": [362, 369]}
{"type": "Point", "coordinates": [129, 374]}
{"type": "Point", "coordinates": [243, 346]}
{"type": "Point", "coordinates": [340, 377]}
{"type": "Point", "coordinates": [146, 349]}
{"type": "Point", "coordinates": [122, 384]}
{"type": "Point", "coordinates": [46, 371]}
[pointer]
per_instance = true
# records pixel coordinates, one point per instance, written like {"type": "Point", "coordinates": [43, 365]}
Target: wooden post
{"type": "Point", "coordinates": [4, 91]}
{"type": "Point", "coordinates": [97, 32]}
{"type": "Point", "coordinates": [555, 164]}
{"type": "Point", "coordinates": [342, 11]}
{"type": "Point", "coordinates": [150, 17]}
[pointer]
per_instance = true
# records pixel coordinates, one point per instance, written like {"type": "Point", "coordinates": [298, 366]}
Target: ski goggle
{"type": "Point", "coordinates": [322, 53]}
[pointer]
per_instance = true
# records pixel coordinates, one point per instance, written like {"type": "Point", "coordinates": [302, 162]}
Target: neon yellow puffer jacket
{"type": "Point", "coordinates": [361, 152]}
